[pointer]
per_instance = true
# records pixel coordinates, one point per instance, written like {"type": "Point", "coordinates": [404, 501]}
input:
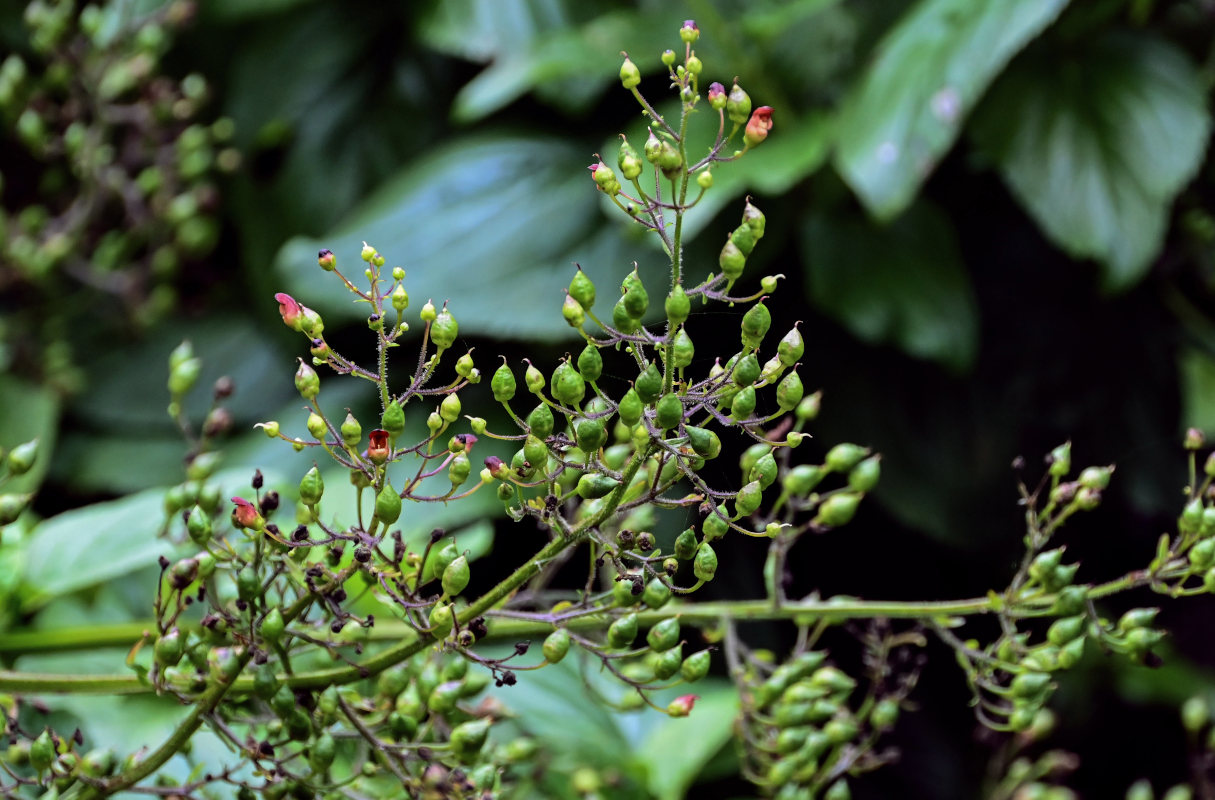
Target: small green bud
{"type": "Point", "coordinates": [705, 179]}
{"type": "Point", "coordinates": [648, 384]}
{"type": "Point", "coordinates": [664, 635]}
{"type": "Point", "coordinates": [1060, 460]}
{"type": "Point", "coordinates": [428, 312]}
{"type": "Point", "coordinates": [540, 421]}
{"type": "Point", "coordinates": [746, 371]}
{"type": "Point", "coordinates": [668, 57]}
{"type": "Point", "coordinates": [837, 510]}
{"type": "Point", "coordinates": [317, 426]}
{"type": "Point", "coordinates": [743, 404]}
{"type": "Point", "coordinates": [695, 666]}
{"type": "Point", "coordinates": [738, 105]}
{"type": "Point", "coordinates": [367, 253]}
{"type": "Point", "coordinates": [273, 625]}
{"type": "Point", "coordinates": [731, 261]}
{"type": "Point", "coordinates": [630, 407]}
{"type": "Point", "coordinates": [656, 594]}
{"type": "Point", "coordinates": [556, 645]}
{"type": "Point", "coordinates": [450, 408]}
{"type": "Point", "coordinates": [184, 375]}
{"type": "Point", "coordinates": [459, 470]}
{"type": "Point", "coordinates": [688, 32]}
{"type": "Point", "coordinates": [677, 306]}
{"type": "Point", "coordinates": [755, 324]}
{"type": "Point", "coordinates": [669, 411]}
{"type": "Point", "coordinates": [630, 76]}
{"type": "Point", "coordinates": [567, 385]}
{"type": "Point", "coordinates": [622, 632]}
{"type": "Point", "coordinates": [864, 476]}
{"type": "Point", "coordinates": [271, 428]}
{"type": "Point", "coordinates": [393, 419]}
{"type": "Point", "coordinates": [22, 457]}
{"type": "Point", "coordinates": [312, 487]}
{"type": "Point", "coordinates": [307, 382]}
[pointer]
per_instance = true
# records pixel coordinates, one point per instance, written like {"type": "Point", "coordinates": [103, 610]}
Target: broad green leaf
{"type": "Point", "coordinates": [491, 224]}
{"type": "Point", "coordinates": [903, 283]}
{"type": "Point", "coordinates": [484, 30]}
{"type": "Point", "coordinates": [928, 73]}
{"type": "Point", "coordinates": [29, 411]}
{"type": "Point", "coordinates": [1097, 143]}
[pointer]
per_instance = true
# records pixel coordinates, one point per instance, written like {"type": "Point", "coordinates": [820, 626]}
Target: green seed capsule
{"type": "Point", "coordinates": [628, 161]}
{"type": "Point", "coordinates": [789, 392]}
{"type": "Point", "coordinates": [622, 320]}
{"type": "Point", "coordinates": [533, 379]}
{"type": "Point", "coordinates": [749, 498]}
{"type": "Point", "coordinates": [764, 471]}
{"type": "Point", "coordinates": [837, 510]}
{"type": "Point", "coordinates": [573, 312]}
{"type": "Point", "coordinates": [169, 648]}
{"type": "Point", "coordinates": [744, 239]}
{"type": "Point", "coordinates": [633, 293]}
{"type": "Point", "coordinates": [668, 662]}
{"type": "Point", "coordinates": [307, 382]}
{"type": "Point", "coordinates": [441, 620]}
{"type": "Point", "coordinates": [248, 585]}
{"type": "Point", "coordinates": [273, 626]}
{"type": "Point", "coordinates": [42, 751]}
{"type": "Point", "coordinates": [455, 576]}
{"type": "Point", "coordinates": [594, 485]}
{"type": "Point", "coordinates": [682, 349]}
{"type": "Point", "coordinates": [312, 487]}
{"type": "Point", "coordinates": [556, 645]}
{"type": "Point", "coordinates": [1066, 629]}
{"type": "Point", "coordinates": [503, 383]}
{"type": "Point", "coordinates": [664, 635]}
{"type": "Point", "coordinates": [864, 476]}
{"type": "Point", "coordinates": [656, 594]}
{"type": "Point", "coordinates": [567, 386]}
{"type": "Point", "coordinates": [677, 306]}
{"type": "Point", "coordinates": [845, 456]}
{"type": "Point", "coordinates": [669, 411]}
{"type": "Point", "coordinates": [22, 457]}
{"type": "Point", "coordinates": [535, 451]}
{"type": "Point", "coordinates": [393, 419]}
{"type": "Point", "coordinates": [198, 526]}
{"type": "Point", "coordinates": [731, 261]}
{"type": "Point", "coordinates": [459, 470]}
{"type": "Point", "coordinates": [704, 566]}
{"type": "Point", "coordinates": [443, 330]}
{"type": "Point", "coordinates": [590, 363]}
{"type": "Point", "coordinates": [755, 325]}
{"type": "Point", "coordinates": [540, 421]}
{"type": "Point", "coordinates": [649, 384]}
{"type": "Point", "coordinates": [746, 371]}
{"type": "Point", "coordinates": [590, 435]}
{"type": "Point", "coordinates": [630, 408]}
{"type": "Point", "coordinates": [388, 504]}
{"type": "Point", "coordinates": [790, 348]}
{"type": "Point", "coordinates": [754, 218]}
{"type": "Point", "coordinates": [714, 527]}
{"type": "Point", "coordinates": [695, 666]}
{"type": "Point", "coordinates": [685, 544]}
{"type": "Point", "coordinates": [449, 409]}
{"type": "Point", "coordinates": [1030, 685]}
{"type": "Point", "coordinates": [743, 404]}
{"type": "Point", "coordinates": [622, 632]}
{"type": "Point", "coordinates": [704, 442]}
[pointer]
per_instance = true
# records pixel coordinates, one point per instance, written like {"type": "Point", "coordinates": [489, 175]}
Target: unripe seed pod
{"type": "Point", "coordinates": [443, 330]}
{"type": "Point", "coordinates": [838, 790]}
{"type": "Point", "coordinates": [748, 499]}
{"type": "Point", "coordinates": [695, 666]}
{"type": "Point", "coordinates": [746, 371]}
{"type": "Point", "coordinates": [744, 239]}
{"type": "Point", "coordinates": [567, 385]}
{"type": "Point", "coordinates": [307, 382]}
{"type": "Point", "coordinates": [682, 350]}
{"type": "Point", "coordinates": [764, 471]}
{"type": "Point", "coordinates": [593, 485]}
{"type": "Point", "coordinates": [685, 544]}
{"type": "Point", "coordinates": [1202, 554]}
{"type": "Point", "coordinates": [1066, 629]}
{"type": "Point", "coordinates": [705, 179]}
{"type": "Point", "coordinates": [636, 299]}
{"type": "Point", "coordinates": [677, 306]}
{"type": "Point", "coordinates": [738, 105]}
{"type": "Point", "coordinates": [556, 645]}
{"type": "Point", "coordinates": [572, 310]}
{"type": "Point", "coordinates": [459, 469]}
{"type": "Point", "coordinates": [1071, 601]}
{"type": "Point", "coordinates": [1060, 460]}
{"type": "Point", "coordinates": [198, 525]}
{"type": "Point", "coordinates": [630, 407]}
{"type": "Point", "coordinates": [316, 426]}
{"type": "Point", "coordinates": [352, 431]}
{"type": "Point", "coordinates": [837, 510]}
{"type": "Point", "coordinates": [590, 435]}
{"type": "Point", "coordinates": [312, 487]}
{"type": "Point", "coordinates": [273, 626]}
{"type": "Point", "coordinates": [808, 408]}
{"type": "Point", "coordinates": [845, 456]}
{"type": "Point", "coordinates": [669, 411]}
{"type": "Point", "coordinates": [248, 585]}
{"type": "Point", "coordinates": [649, 384]}
{"type": "Point", "coordinates": [621, 320]}
{"type": "Point", "coordinates": [540, 421]}
{"type": "Point", "coordinates": [628, 161]}
{"type": "Point", "coordinates": [456, 576]}
{"type": "Point", "coordinates": [1071, 653]}
{"type": "Point", "coordinates": [731, 260]}
{"type": "Point", "coordinates": [393, 419]}
{"type": "Point", "coordinates": [656, 594]}
{"type": "Point", "coordinates": [441, 620]}
{"type": "Point", "coordinates": [535, 451]}
{"type": "Point", "coordinates": [743, 404]}
{"type": "Point", "coordinates": [450, 408]}
{"type": "Point", "coordinates": [533, 379]}
{"type": "Point", "coordinates": [183, 573]}
{"type": "Point", "coordinates": [789, 391]}
{"type": "Point", "coordinates": [664, 635]}
{"type": "Point", "coordinates": [668, 662]}
{"type": "Point", "coordinates": [1195, 714]}
{"type": "Point", "coordinates": [864, 476]}
{"type": "Point", "coordinates": [714, 527]}
{"type": "Point", "coordinates": [630, 76]}
{"type": "Point", "coordinates": [1031, 685]}
{"type": "Point", "coordinates": [42, 751]}
{"type": "Point", "coordinates": [605, 179]}
{"type": "Point", "coordinates": [183, 376]}
{"type": "Point", "coordinates": [22, 457]}
{"type": "Point", "coordinates": [704, 566]}
{"type": "Point", "coordinates": [388, 504]}
{"type": "Point", "coordinates": [622, 632]}
{"type": "Point", "coordinates": [1095, 477]}
{"type": "Point", "coordinates": [503, 383]}
{"type": "Point", "coordinates": [590, 363]}
{"type": "Point", "coordinates": [1138, 618]}
{"type": "Point", "coordinates": [169, 648]}
{"type": "Point", "coordinates": [704, 442]}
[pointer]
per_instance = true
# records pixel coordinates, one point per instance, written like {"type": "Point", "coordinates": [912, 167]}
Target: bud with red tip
{"type": "Point", "coordinates": [327, 260]}
{"type": "Point", "coordinates": [758, 126]}
{"type": "Point", "coordinates": [291, 310]}
{"type": "Point", "coordinates": [630, 76]}
{"type": "Point", "coordinates": [682, 706]}
{"type": "Point", "coordinates": [717, 96]}
{"type": "Point", "coordinates": [605, 179]}
{"type": "Point", "coordinates": [689, 32]}
{"type": "Point", "coordinates": [245, 514]}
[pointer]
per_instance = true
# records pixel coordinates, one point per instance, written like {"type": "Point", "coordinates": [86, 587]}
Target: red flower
{"type": "Point", "coordinates": [292, 311]}
{"type": "Point", "coordinates": [377, 446]}
{"type": "Point", "coordinates": [682, 706]}
{"type": "Point", "coordinates": [245, 515]}
{"type": "Point", "coordinates": [758, 126]}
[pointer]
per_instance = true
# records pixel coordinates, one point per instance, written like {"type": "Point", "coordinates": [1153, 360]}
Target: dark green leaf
{"type": "Point", "coordinates": [929, 72]}
{"type": "Point", "coordinates": [1097, 144]}
{"type": "Point", "coordinates": [903, 284]}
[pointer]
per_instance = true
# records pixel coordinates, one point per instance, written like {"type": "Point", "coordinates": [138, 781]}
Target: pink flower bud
{"type": "Point", "coordinates": [682, 706]}
{"type": "Point", "coordinates": [496, 467]}
{"type": "Point", "coordinates": [327, 260]}
{"type": "Point", "coordinates": [377, 446]}
{"type": "Point", "coordinates": [758, 126]}
{"type": "Point", "coordinates": [292, 311]}
{"type": "Point", "coordinates": [245, 514]}
{"type": "Point", "coordinates": [717, 95]}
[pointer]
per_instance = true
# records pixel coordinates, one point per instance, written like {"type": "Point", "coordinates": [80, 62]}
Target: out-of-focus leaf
{"type": "Point", "coordinates": [1097, 144]}
{"type": "Point", "coordinates": [484, 30]}
{"type": "Point", "coordinates": [1197, 390]}
{"type": "Point", "coordinates": [929, 72]}
{"type": "Point", "coordinates": [246, 10]}
{"type": "Point", "coordinates": [676, 750]}
{"type": "Point", "coordinates": [903, 283]}
{"type": "Point", "coordinates": [28, 411]}
{"type": "Point", "coordinates": [491, 224]}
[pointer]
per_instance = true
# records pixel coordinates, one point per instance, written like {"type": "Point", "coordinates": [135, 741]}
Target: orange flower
{"type": "Point", "coordinates": [758, 126]}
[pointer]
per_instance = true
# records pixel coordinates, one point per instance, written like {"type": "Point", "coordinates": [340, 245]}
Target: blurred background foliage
{"type": "Point", "coordinates": [996, 221]}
